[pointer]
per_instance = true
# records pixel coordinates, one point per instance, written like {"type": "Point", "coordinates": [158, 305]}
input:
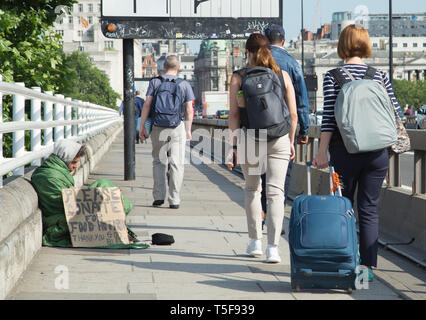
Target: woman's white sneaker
{"type": "Point", "coordinates": [254, 248]}
{"type": "Point", "coordinates": [272, 255]}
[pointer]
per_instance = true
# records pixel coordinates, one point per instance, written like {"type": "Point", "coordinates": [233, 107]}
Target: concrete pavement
{"type": "Point", "coordinates": [207, 260]}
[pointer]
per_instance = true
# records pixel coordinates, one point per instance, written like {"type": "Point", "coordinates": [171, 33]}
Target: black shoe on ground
{"type": "Point", "coordinates": [174, 206]}
{"type": "Point", "coordinates": [157, 203]}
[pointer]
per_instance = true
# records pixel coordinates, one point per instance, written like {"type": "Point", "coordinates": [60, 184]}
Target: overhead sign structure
{"type": "Point", "coordinates": [188, 19]}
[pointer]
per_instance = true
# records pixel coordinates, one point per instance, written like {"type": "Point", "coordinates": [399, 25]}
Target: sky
{"type": "Point", "coordinates": [292, 12]}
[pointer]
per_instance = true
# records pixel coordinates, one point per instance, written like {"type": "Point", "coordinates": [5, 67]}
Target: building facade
{"type": "Point", "coordinates": [81, 31]}
{"type": "Point", "coordinates": [215, 63]}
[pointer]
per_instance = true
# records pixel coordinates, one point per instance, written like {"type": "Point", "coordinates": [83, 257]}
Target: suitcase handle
{"type": "Point", "coordinates": [340, 273]}
{"type": "Point", "coordinates": [334, 179]}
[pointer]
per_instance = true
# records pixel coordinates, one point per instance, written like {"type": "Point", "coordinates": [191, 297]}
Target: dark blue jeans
{"type": "Point", "coordinates": [367, 171]}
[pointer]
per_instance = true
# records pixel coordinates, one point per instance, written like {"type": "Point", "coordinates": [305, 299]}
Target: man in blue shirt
{"type": "Point", "coordinates": [138, 111]}
{"type": "Point", "coordinates": [276, 36]}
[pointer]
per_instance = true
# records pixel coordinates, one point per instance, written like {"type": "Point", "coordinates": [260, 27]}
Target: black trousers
{"type": "Point", "coordinates": [367, 171]}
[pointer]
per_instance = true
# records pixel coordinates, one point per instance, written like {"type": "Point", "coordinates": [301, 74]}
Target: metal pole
{"type": "Point", "coordinates": [303, 42]}
{"type": "Point", "coordinates": [390, 44]}
{"type": "Point", "coordinates": [129, 110]}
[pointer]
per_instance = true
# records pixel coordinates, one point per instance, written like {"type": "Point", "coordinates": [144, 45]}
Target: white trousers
{"type": "Point", "coordinates": [275, 162]}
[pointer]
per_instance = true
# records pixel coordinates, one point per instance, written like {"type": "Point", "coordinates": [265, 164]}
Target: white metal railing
{"type": "Point", "coordinates": [62, 118]}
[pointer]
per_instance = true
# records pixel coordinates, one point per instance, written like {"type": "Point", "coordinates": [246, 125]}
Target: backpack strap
{"type": "Point", "coordinates": [280, 76]}
{"type": "Point", "coordinates": [338, 76]}
{"type": "Point", "coordinates": [241, 72]}
{"type": "Point", "coordinates": [370, 73]}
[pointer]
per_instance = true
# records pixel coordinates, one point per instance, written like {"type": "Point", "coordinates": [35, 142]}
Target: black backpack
{"type": "Point", "coordinates": [265, 105]}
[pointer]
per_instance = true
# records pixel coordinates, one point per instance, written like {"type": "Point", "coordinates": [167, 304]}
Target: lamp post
{"type": "Point", "coordinates": [390, 44]}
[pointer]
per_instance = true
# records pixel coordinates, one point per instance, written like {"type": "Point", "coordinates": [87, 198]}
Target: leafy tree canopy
{"type": "Point", "coordinates": [30, 52]}
{"type": "Point", "coordinates": [410, 93]}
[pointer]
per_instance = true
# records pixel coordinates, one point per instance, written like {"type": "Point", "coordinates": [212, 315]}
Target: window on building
{"type": "Point", "coordinates": [215, 84]}
{"type": "Point", "coordinates": [375, 45]}
{"type": "Point", "coordinates": [405, 45]}
{"type": "Point", "coordinates": [81, 48]}
{"type": "Point", "coordinates": [424, 45]}
{"type": "Point", "coordinates": [60, 32]}
{"type": "Point", "coordinates": [90, 7]}
{"type": "Point", "coordinates": [109, 44]}
{"type": "Point", "coordinates": [70, 20]}
{"type": "Point", "coordinates": [80, 7]}
{"type": "Point", "coordinates": [415, 45]}
{"type": "Point", "coordinates": [80, 33]}
{"type": "Point", "coordinates": [90, 20]}
{"type": "Point", "coordinates": [395, 45]}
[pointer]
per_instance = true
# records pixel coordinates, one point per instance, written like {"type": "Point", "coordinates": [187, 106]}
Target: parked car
{"type": "Point", "coordinates": [222, 114]}
{"type": "Point", "coordinates": [421, 118]}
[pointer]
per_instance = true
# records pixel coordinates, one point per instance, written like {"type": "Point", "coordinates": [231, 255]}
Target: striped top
{"type": "Point", "coordinates": [332, 89]}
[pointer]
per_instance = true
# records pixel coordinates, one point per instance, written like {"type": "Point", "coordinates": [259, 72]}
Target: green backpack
{"type": "Point", "coordinates": [364, 112]}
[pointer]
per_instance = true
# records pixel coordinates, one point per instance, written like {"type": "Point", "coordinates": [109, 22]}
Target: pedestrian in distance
{"type": "Point", "coordinates": [276, 37]}
{"type": "Point", "coordinates": [262, 72]}
{"type": "Point", "coordinates": [365, 171]}
{"type": "Point", "coordinates": [138, 112]}
{"type": "Point", "coordinates": [170, 99]}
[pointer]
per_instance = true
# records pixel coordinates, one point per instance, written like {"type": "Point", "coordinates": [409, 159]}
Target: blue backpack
{"type": "Point", "coordinates": [168, 103]}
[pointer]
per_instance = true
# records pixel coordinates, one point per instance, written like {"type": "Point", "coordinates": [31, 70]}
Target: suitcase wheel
{"type": "Point", "coordinates": [295, 287]}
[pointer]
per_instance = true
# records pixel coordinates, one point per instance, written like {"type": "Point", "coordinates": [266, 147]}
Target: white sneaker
{"type": "Point", "coordinates": [254, 248]}
{"type": "Point", "coordinates": [272, 255]}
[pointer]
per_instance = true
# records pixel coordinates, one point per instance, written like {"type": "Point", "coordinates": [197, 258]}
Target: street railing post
{"type": "Point", "coordinates": [18, 148]}
{"type": "Point", "coordinates": [394, 174]}
{"type": "Point", "coordinates": [36, 133]}
{"type": "Point", "coordinates": [48, 116]}
{"type": "Point", "coordinates": [419, 185]}
{"type": "Point", "coordinates": [59, 115]}
{"type": "Point", "coordinates": [68, 116]}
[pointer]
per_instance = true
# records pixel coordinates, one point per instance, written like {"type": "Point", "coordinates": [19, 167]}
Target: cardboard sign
{"type": "Point", "coordinates": [95, 216]}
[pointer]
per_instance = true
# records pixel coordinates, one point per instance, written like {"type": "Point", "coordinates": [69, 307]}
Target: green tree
{"type": "Point", "coordinates": [29, 47]}
{"type": "Point", "coordinates": [410, 93]}
{"type": "Point", "coordinates": [84, 81]}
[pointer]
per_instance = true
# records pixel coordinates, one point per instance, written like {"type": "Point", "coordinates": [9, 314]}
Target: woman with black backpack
{"type": "Point", "coordinates": [262, 97]}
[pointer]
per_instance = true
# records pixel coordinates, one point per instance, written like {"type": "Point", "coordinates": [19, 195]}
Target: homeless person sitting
{"type": "Point", "coordinates": [56, 173]}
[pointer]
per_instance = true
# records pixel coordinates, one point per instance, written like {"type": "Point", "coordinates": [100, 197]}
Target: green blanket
{"type": "Point", "coordinates": [48, 180]}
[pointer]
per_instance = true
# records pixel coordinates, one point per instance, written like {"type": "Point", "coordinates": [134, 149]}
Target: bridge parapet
{"type": "Point", "coordinates": [62, 118]}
